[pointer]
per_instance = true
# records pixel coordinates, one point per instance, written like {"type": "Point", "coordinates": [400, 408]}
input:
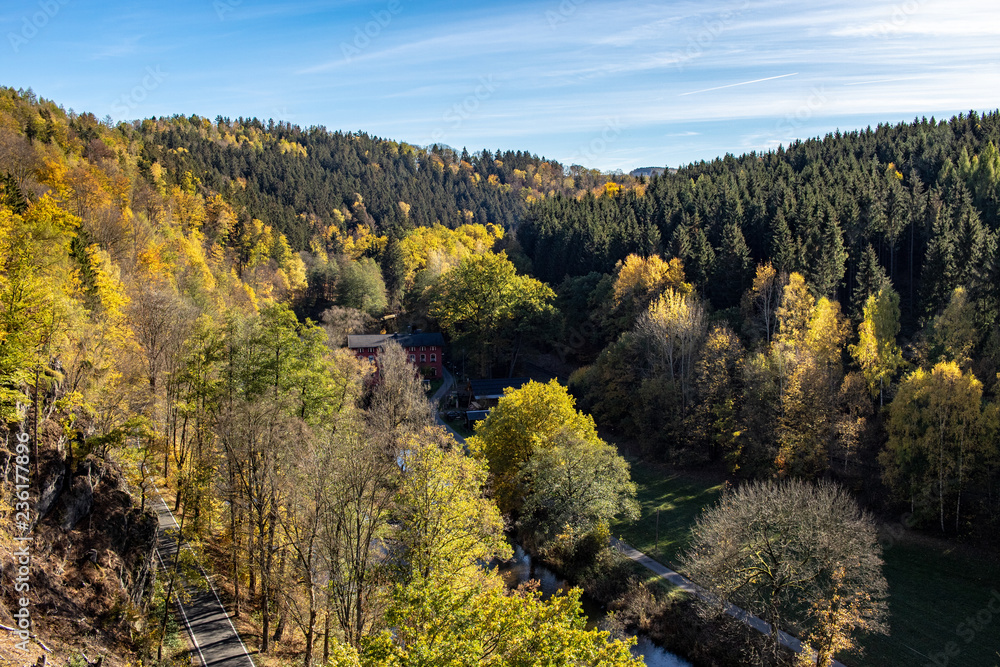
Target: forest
{"type": "Point", "coordinates": [818, 325]}
{"type": "Point", "coordinates": [800, 311]}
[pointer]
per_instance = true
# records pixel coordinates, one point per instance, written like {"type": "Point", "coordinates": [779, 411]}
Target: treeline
{"type": "Point", "coordinates": [292, 177]}
{"type": "Point", "coordinates": [788, 385]}
{"type": "Point", "coordinates": [922, 196]}
{"type": "Point", "coordinates": [813, 296]}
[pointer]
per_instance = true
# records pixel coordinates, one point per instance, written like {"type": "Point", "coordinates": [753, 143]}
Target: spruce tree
{"type": "Point", "coordinates": [826, 257]}
{"type": "Point", "coordinates": [939, 264]}
{"type": "Point", "coordinates": [869, 280]}
{"type": "Point", "coordinates": [784, 250]}
{"type": "Point", "coordinates": [732, 271]}
{"type": "Point", "coordinates": [970, 236]}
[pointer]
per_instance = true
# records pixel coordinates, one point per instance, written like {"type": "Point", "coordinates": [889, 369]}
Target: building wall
{"type": "Point", "coordinates": [420, 356]}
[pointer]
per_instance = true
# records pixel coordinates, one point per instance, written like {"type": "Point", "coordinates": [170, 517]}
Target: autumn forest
{"type": "Point", "coordinates": [813, 333]}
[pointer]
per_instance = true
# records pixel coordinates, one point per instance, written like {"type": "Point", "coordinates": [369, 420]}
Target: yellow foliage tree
{"type": "Point", "coordinates": [523, 421]}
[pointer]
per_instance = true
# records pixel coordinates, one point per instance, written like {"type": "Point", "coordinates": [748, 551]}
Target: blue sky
{"type": "Point", "coordinates": [609, 85]}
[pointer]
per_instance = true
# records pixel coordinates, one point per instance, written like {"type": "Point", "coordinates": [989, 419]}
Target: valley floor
{"type": "Point", "coordinates": [939, 596]}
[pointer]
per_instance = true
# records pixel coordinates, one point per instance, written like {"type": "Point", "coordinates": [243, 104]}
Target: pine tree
{"type": "Point", "coordinates": [393, 271]}
{"type": "Point", "coordinates": [985, 284]}
{"type": "Point", "coordinates": [869, 280]}
{"type": "Point", "coordinates": [732, 270]}
{"type": "Point", "coordinates": [784, 250]}
{"type": "Point", "coordinates": [970, 235]}
{"type": "Point", "coordinates": [939, 269]}
{"type": "Point", "coordinates": [693, 248]}
{"type": "Point", "coordinates": [828, 258]}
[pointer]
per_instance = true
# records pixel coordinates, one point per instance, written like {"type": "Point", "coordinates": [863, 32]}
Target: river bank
{"type": "Point", "coordinates": [523, 568]}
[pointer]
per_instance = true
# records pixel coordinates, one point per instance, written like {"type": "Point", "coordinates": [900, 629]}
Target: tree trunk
{"type": "Point", "coordinates": [265, 602]}
{"type": "Point", "coordinates": [311, 629]}
{"type": "Point", "coordinates": [326, 633]}
{"type": "Point", "coordinates": [234, 532]}
{"type": "Point", "coordinates": [941, 477]}
{"type": "Point", "coordinates": [958, 502]}
{"type": "Point", "coordinates": [279, 631]}
{"type": "Point", "coordinates": [513, 361]}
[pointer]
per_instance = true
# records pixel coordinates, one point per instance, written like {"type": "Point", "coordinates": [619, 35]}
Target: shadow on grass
{"type": "Point", "coordinates": [679, 498]}
{"type": "Point", "coordinates": [939, 599]}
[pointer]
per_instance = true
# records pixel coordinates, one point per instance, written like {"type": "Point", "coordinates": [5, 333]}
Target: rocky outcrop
{"type": "Point", "coordinates": [93, 546]}
{"type": "Point", "coordinates": [77, 501]}
{"type": "Point", "coordinates": [50, 485]}
{"type": "Point", "coordinates": [116, 531]}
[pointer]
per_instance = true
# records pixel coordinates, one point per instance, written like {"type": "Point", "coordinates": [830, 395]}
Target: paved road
{"type": "Point", "coordinates": [686, 585]}
{"type": "Point", "coordinates": [212, 633]}
{"type": "Point", "coordinates": [449, 381]}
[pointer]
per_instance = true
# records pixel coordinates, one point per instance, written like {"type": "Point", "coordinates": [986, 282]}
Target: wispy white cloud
{"type": "Point", "coordinates": [688, 78]}
{"type": "Point", "coordinates": [640, 33]}
{"type": "Point", "coordinates": [124, 47]}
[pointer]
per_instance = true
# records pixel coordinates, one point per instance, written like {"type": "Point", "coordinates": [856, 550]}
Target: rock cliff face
{"type": "Point", "coordinates": [92, 559]}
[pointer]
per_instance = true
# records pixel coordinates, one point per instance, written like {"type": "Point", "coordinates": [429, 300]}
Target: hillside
{"type": "Point", "coordinates": [295, 178]}
{"type": "Point", "coordinates": [923, 196]}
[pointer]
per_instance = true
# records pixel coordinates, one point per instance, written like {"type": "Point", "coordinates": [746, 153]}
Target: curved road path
{"type": "Point", "coordinates": [674, 578]}
{"type": "Point", "coordinates": [449, 381]}
{"type": "Point", "coordinates": [213, 635]}
{"type": "Point", "coordinates": [688, 586]}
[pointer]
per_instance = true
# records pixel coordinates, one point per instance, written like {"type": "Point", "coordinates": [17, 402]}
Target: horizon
{"type": "Point", "coordinates": [607, 85]}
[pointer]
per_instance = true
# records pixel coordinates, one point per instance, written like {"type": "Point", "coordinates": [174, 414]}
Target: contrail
{"type": "Point", "coordinates": [732, 85]}
{"type": "Point", "coordinates": [863, 83]}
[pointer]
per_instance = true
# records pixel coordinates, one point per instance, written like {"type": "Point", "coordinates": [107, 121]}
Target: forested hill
{"type": "Point", "coordinates": [917, 201]}
{"type": "Point", "coordinates": [286, 175]}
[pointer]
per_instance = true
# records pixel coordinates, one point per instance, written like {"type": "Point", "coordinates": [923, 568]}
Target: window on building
{"type": "Point", "coordinates": [423, 348]}
{"type": "Point", "coordinates": [423, 358]}
{"type": "Point", "coordinates": [434, 357]}
{"type": "Point", "coordinates": [413, 357]}
{"type": "Point", "coordinates": [371, 357]}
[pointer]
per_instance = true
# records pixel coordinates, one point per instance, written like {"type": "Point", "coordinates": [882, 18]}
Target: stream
{"type": "Point", "coordinates": [522, 568]}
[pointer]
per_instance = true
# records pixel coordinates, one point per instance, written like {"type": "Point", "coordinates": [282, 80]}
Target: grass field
{"type": "Point", "coordinates": [932, 591]}
{"type": "Point", "coordinates": [678, 498]}
{"type": "Point", "coordinates": [931, 594]}
{"type": "Point", "coordinates": [458, 425]}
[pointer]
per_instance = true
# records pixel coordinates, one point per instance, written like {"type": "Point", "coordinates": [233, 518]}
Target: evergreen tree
{"type": "Point", "coordinates": [732, 270]}
{"type": "Point", "coordinates": [939, 270]}
{"type": "Point", "coordinates": [869, 280]}
{"type": "Point", "coordinates": [827, 257]}
{"type": "Point", "coordinates": [971, 239]}
{"type": "Point", "coordinates": [393, 271]}
{"type": "Point", "coordinates": [784, 250]}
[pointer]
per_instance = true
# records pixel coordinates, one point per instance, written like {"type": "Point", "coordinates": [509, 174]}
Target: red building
{"type": "Point", "coordinates": [424, 350]}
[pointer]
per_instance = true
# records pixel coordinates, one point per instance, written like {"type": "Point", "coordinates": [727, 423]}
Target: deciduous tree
{"type": "Point", "coordinates": [573, 487]}
{"type": "Point", "coordinates": [486, 305]}
{"type": "Point", "coordinates": [940, 435]}
{"type": "Point", "coordinates": [524, 421]}
{"type": "Point", "coordinates": [876, 350]}
{"type": "Point", "coordinates": [794, 553]}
